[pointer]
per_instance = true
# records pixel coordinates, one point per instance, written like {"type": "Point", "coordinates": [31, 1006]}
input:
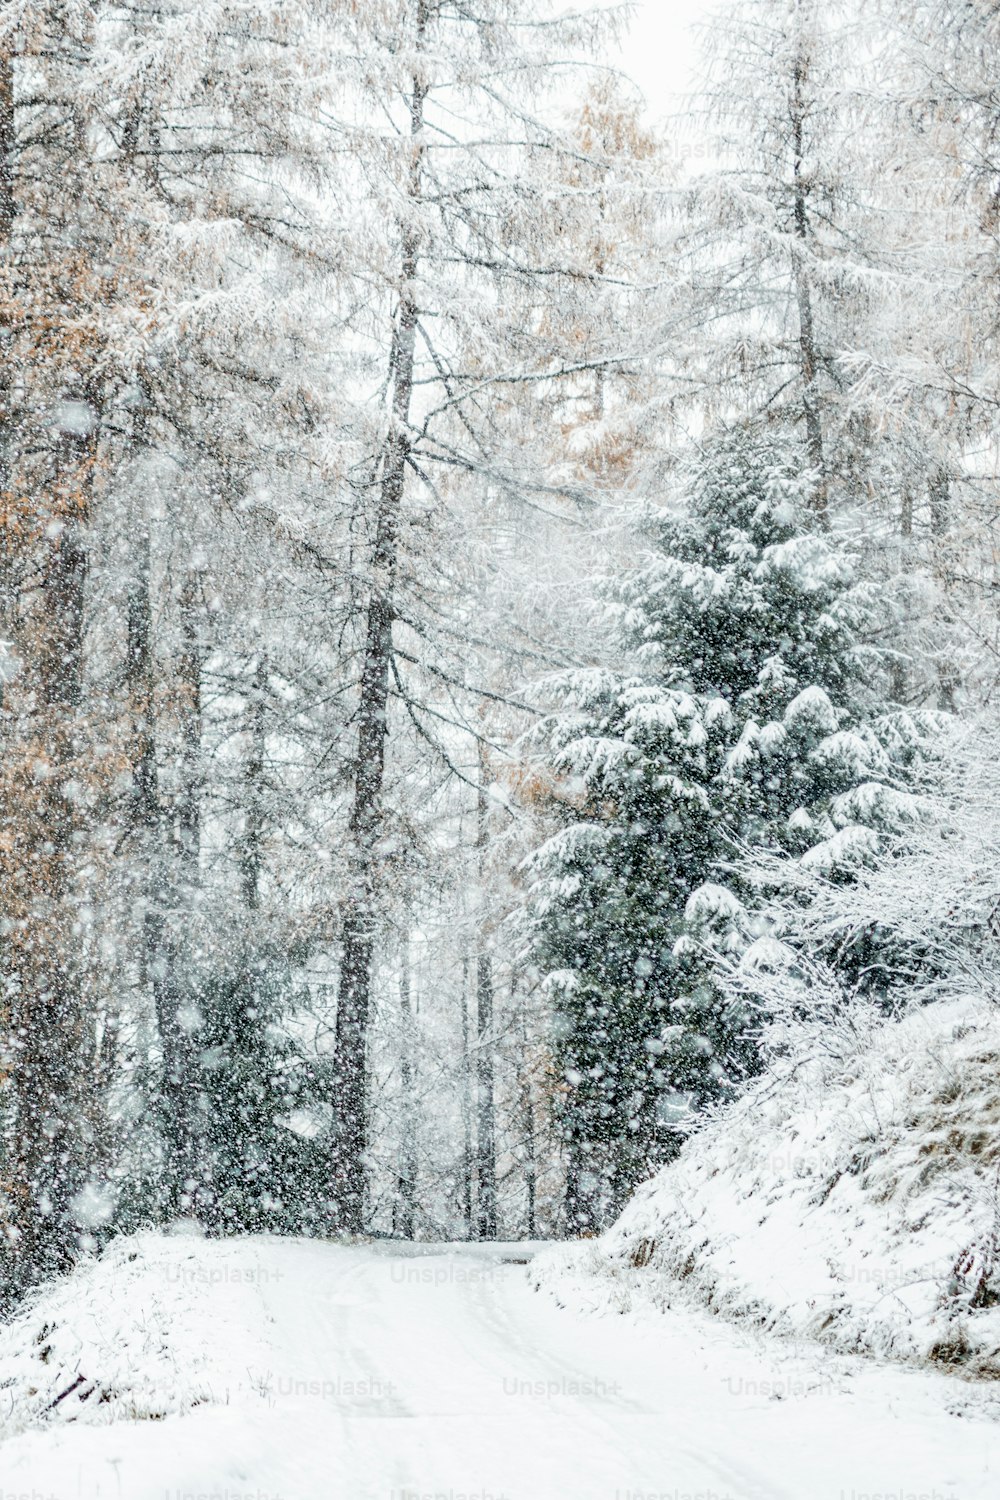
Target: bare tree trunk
{"type": "Point", "coordinates": [899, 670]}
{"type": "Point", "coordinates": [526, 1109]}
{"type": "Point", "coordinates": [407, 1186]}
{"type": "Point", "coordinates": [582, 1215]}
{"type": "Point", "coordinates": [486, 1167]}
{"type": "Point", "coordinates": [7, 205]}
{"type": "Point", "coordinates": [363, 905]}
{"type": "Point", "coordinates": [252, 852]}
{"type": "Point", "coordinates": [948, 674]}
{"type": "Point", "coordinates": [139, 684]}
{"type": "Point", "coordinates": [7, 214]}
{"type": "Point", "coordinates": [188, 822]}
{"type": "Point", "coordinates": [149, 831]}
{"type": "Point", "coordinates": [161, 883]}
{"type": "Point", "coordinates": [168, 934]}
{"type": "Point", "coordinates": [940, 498]}
{"type": "Point", "coordinates": [803, 295]}
{"type": "Point", "coordinates": [906, 515]}
{"type": "Point", "coordinates": [466, 1184]}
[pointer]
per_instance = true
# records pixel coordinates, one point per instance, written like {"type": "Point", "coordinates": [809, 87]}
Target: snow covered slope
{"type": "Point", "coordinates": [851, 1195]}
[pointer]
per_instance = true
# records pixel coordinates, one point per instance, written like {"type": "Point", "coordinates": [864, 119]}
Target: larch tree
{"type": "Point", "coordinates": [945, 155]}
{"type": "Point", "coordinates": [459, 197]}
{"type": "Point", "coordinates": [809, 255]}
{"type": "Point", "coordinates": [60, 286]}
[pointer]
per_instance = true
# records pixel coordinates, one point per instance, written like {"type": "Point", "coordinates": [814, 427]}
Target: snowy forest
{"type": "Point", "coordinates": [499, 596]}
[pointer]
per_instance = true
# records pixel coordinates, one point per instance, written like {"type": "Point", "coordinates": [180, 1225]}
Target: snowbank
{"type": "Point", "coordinates": [133, 1334]}
{"type": "Point", "coordinates": [850, 1196]}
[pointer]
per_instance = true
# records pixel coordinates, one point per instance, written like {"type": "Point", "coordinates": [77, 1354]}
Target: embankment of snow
{"type": "Point", "coordinates": [133, 1334]}
{"type": "Point", "coordinates": [850, 1196]}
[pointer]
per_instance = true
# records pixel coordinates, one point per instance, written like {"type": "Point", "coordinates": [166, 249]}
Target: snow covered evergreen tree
{"type": "Point", "coordinates": [747, 710]}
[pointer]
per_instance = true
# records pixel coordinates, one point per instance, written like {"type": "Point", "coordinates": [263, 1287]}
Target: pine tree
{"type": "Point", "coordinates": [746, 711]}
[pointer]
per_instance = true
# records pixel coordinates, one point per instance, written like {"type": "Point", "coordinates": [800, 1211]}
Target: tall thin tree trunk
{"type": "Point", "coordinates": [803, 294]}
{"type": "Point", "coordinates": [8, 356]}
{"type": "Point", "coordinates": [526, 1110]}
{"type": "Point", "coordinates": [170, 838]}
{"type": "Point", "coordinates": [363, 905]}
{"type": "Point", "coordinates": [252, 851]}
{"type": "Point", "coordinates": [467, 1167]}
{"type": "Point", "coordinates": [144, 814]}
{"type": "Point", "coordinates": [948, 674]}
{"type": "Point", "coordinates": [149, 831]}
{"type": "Point", "coordinates": [189, 670]}
{"type": "Point", "coordinates": [7, 206]}
{"type": "Point", "coordinates": [7, 215]}
{"type": "Point", "coordinates": [899, 671]}
{"type": "Point", "coordinates": [139, 683]}
{"type": "Point", "coordinates": [157, 875]}
{"type": "Point", "coordinates": [486, 1167]}
{"type": "Point", "coordinates": [407, 1186]}
{"type": "Point", "coordinates": [940, 498]}
{"type": "Point", "coordinates": [174, 987]}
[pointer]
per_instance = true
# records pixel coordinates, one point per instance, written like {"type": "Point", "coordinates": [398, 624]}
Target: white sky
{"type": "Point", "coordinates": [661, 51]}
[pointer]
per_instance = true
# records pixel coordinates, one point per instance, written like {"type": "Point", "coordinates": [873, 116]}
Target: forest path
{"type": "Point", "coordinates": [383, 1372]}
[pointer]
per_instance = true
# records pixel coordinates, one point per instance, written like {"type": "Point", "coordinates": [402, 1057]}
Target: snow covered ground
{"type": "Point", "coordinates": [263, 1369]}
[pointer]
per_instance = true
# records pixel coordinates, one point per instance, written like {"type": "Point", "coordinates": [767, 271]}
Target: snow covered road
{"type": "Point", "coordinates": [333, 1373]}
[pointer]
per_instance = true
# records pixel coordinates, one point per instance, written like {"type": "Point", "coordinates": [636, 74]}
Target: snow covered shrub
{"type": "Point", "coordinates": [745, 710]}
{"type": "Point", "coordinates": [921, 918]}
